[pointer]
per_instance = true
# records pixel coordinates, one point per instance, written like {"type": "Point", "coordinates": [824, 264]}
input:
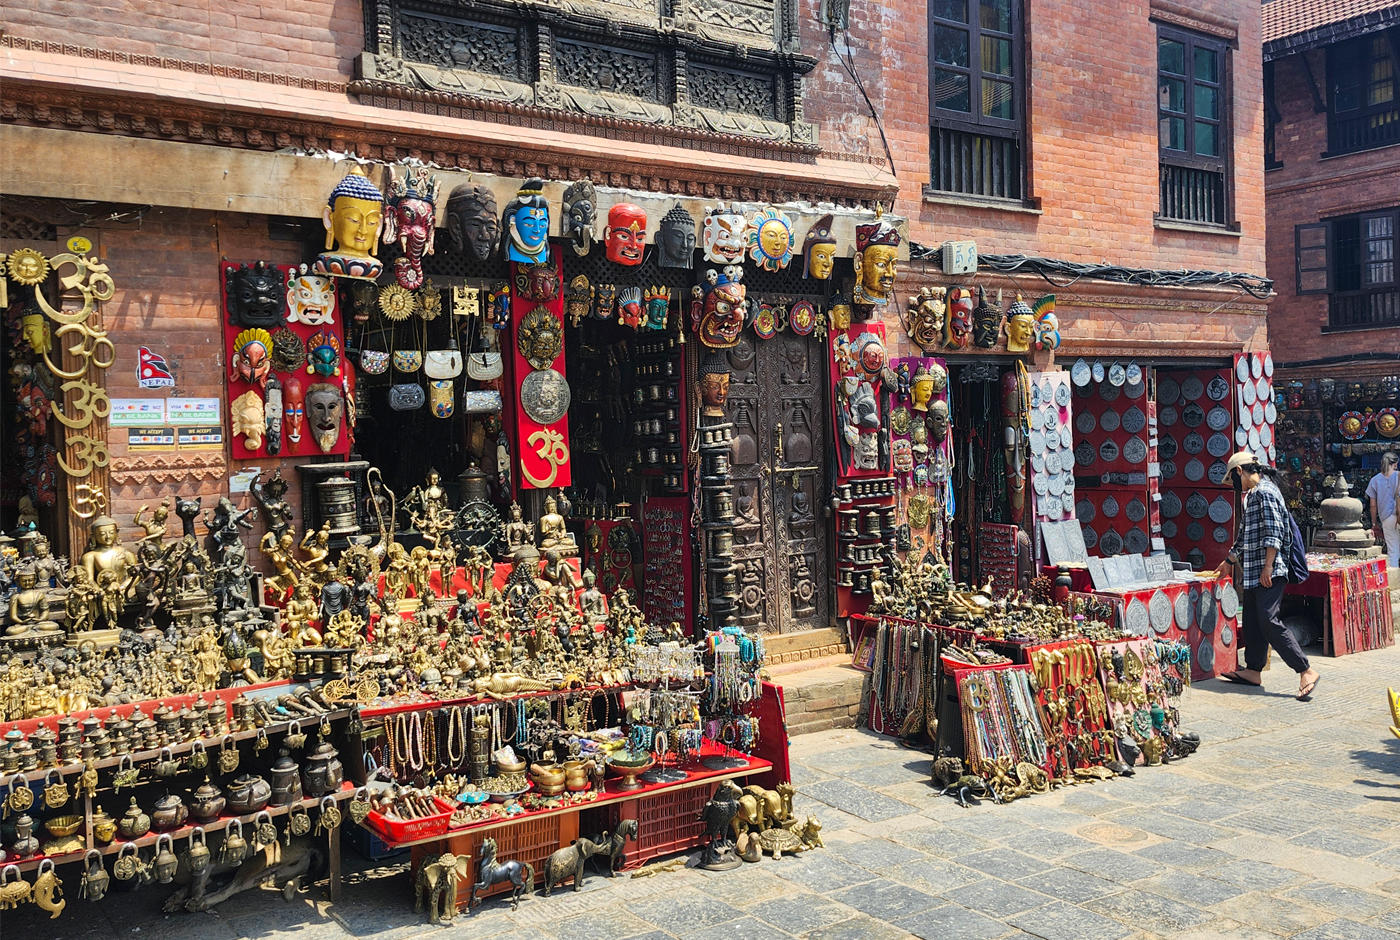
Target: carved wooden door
{"type": "Point", "coordinates": [777, 397]}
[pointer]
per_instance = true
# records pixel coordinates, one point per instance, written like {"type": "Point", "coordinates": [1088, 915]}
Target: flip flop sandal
{"type": "Point", "coordinates": [1241, 680]}
{"type": "Point", "coordinates": [1307, 696]}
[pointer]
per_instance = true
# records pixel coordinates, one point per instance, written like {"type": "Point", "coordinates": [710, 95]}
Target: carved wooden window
{"type": "Point", "coordinates": [976, 95]}
{"type": "Point", "coordinates": [1352, 259]}
{"type": "Point", "coordinates": [1192, 126]}
{"type": "Point", "coordinates": [1364, 101]}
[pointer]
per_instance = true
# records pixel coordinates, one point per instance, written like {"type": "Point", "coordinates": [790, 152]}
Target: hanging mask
{"type": "Point", "coordinates": [959, 323]}
{"type": "Point", "coordinates": [252, 356]}
{"type": "Point", "coordinates": [770, 240]}
{"type": "Point", "coordinates": [626, 233]}
{"type": "Point", "coordinates": [310, 298]}
{"type": "Point", "coordinates": [325, 411]}
{"type": "Point", "coordinates": [288, 354]}
{"type": "Point", "coordinates": [410, 221]}
{"type": "Point", "coordinates": [724, 235]}
{"type": "Point", "coordinates": [272, 415]}
{"type": "Point", "coordinates": [658, 301]}
{"type": "Point", "coordinates": [293, 411]}
{"type": "Point", "coordinates": [578, 299]}
{"type": "Point", "coordinates": [605, 298]}
{"type": "Point", "coordinates": [254, 295]}
{"type": "Point", "coordinates": [986, 321]}
{"type": "Point", "coordinates": [323, 354]}
{"type": "Point", "coordinates": [248, 417]}
{"type": "Point", "coordinates": [675, 240]}
{"type": "Point", "coordinates": [629, 307]}
{"type": "Point", "coordinates": [1047, 325]}
{"type": "Point", "coordinates": [580, 202]}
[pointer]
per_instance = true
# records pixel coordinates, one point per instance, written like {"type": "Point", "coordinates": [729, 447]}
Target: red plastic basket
{"type": "Point", "coordinates": [406, 830]}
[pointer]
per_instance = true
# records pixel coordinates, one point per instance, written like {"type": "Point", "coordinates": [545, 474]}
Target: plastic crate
{"type": "Point", "coordinates": [406, 830]}
{"type": "Point", "coordinates": [364, 841]}
{"type": "Point", "coordinates": [666, 823]}
{"type": "Point", "coordinates": [531, 839]}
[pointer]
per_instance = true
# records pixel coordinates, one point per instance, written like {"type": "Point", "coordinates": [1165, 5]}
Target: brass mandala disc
{"type": "Point", "coordinates": [541, 337]}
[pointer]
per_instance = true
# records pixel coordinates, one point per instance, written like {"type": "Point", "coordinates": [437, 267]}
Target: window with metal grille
{"type": "Point", "coordinates": [1192, 127]}
{"type": "Point", "coordinates": [1363, 105]}
{"type": "Point", "coordinates": [977, 95]}
{"type": "Point", "coordinates": [1352, 259]}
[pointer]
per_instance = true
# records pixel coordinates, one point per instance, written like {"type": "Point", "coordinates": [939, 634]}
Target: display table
{"type": "Point", "coordinates": [1201, 612]}
{"type": "Point", "coordinates": [1355, 598]}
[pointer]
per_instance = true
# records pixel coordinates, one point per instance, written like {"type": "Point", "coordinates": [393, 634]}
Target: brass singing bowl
{"type": "Point", "coordinates": [503, 768]}
{"type": "Point", "coordinates": [61, 826]}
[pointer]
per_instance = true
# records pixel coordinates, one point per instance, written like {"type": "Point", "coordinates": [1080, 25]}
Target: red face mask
{"type": "Point", "coordinates": [626, 233]}
{"type": "Point", "coordinates": [293, 411]}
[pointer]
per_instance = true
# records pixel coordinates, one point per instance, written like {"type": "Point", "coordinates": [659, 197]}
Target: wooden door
{"type": "Point", "coordinates": [777, 401]}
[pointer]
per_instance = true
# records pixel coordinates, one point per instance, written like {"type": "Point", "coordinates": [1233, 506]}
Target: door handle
{"type": "Point", "coordinates": [778, 447]}
{"type": "Point", "coordinates": [796, 474]}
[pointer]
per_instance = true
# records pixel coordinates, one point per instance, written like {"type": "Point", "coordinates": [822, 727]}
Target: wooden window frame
{"type": "Point", "coordinates": [1349, 51]}
{"type": "Point", "coordinates": [1219, 162]}
{"type": "Point", "coordinates": [973, 120]}
{"type": "Point", "coordinates": [1326, 267]}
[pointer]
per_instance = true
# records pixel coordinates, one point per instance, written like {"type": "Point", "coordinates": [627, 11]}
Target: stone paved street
{"type": "Point", "coordinates": [1285, 824]}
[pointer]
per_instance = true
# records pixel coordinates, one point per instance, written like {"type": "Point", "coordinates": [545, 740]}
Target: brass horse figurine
{"type": "Point", "coordinates": [520, 874]}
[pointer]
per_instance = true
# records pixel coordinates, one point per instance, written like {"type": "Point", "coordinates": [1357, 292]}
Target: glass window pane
{"type": "Point", "coordinates": [1171, 56]}
{"type": "Point", "coordinates": [1382, 92]}
{"type": "Point", "coordinates": [950, 91]}
{"type": "Point", "coordinates": [1379, 227]}
{"type": "Point", "coordinates": [996, 99]}
{"type": "Point", "coordinates": [950, 46]}
{"type": "Point", "coordinates": [1206, 144]}
{"type": "Point", "coordinates": [1380, 273]}
{"type": "Point", "coordinates": [1206, 65]}
{"type": "Point", "coordinates": [996, 15]}
{"type": "Point", "coordinates": [951, 10]}
{"type": "Point", "coordinates": [1312, 259]}
{"type": "Point", "coordinates": [1172, 133]}
{"type": "Point", "coordinates": [1206, 102]}
{"type": "Point", "coordinates": [996, 55]}
{"type": "Point", "coordinates": [1346, 98]}
{"type": "Point", "coordinates": [1381, 70]}
{"type": "Point", "coordinates": [1171, 94]}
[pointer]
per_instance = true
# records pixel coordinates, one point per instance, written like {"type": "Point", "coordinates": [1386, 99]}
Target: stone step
{"type": "Point", "coordinates": [822, 699]}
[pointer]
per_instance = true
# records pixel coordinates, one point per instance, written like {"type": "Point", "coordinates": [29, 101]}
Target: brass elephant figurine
{"type": "Point", "coordinates": [437, 881]}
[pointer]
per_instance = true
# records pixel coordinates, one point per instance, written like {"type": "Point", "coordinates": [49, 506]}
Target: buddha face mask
{"type": "Point", "coordinates": [675, 242]}
{"type": "Point", "coordinates": [325, 408]}
{"type": "Point", "coordinates": [819, 250]}
{"type": "Point", "coordinates": [472, 220]}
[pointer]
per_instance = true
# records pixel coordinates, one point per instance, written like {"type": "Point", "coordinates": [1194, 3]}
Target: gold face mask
{"type": "Point", "coordinates": [355, 225]}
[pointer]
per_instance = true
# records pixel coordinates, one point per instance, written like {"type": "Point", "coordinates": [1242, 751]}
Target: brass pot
{"type": "Point", "coordinates": [169, 813]}
{"type": "Point", "coordinates": [248, 793]}
{"type": "Point", "coordinates": [207, 802]}
{"type": "Point", "coordinates": [134, 824]}
{"type": "Point", "coordinates": [104, 827]}
{"type": "Point", "coordinates": [286, 781]}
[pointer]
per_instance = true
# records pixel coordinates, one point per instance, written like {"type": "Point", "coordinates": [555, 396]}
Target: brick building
{"type": "Point", "coordinates": [214, 132]}
{"type": "Point", "coordinates": [1332, 195]}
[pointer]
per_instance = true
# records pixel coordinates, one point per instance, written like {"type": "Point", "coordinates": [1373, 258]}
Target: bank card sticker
{"type": "Point", "coordinates": [192, 410]}
{"type": "Point", "coordinates": [201, 437]}
{"type": "Point", "coordinates": [148, 439]}
{"type": "Point", "coordinates": [137, 412]}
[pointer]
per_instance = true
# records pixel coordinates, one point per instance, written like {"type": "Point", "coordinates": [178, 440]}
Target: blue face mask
{"type": "Point", "coordinates": [532, 225]}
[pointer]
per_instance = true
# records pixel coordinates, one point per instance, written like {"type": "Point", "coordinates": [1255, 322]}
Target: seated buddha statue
{"type": "Point", "coordinates": [29, 608]}
{"type": "Point", "coordinates": [553, 533]}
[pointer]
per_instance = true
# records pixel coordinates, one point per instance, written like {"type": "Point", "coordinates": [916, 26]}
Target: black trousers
{"type": "Point", "coordinates": [1260, 628]}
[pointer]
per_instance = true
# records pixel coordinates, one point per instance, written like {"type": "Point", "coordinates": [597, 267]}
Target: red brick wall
{"type": "Point", "coordinates": [166, 271]}
{"type": "Point", "coordinates": [1093, 160]}
{"type": "Point", "coordinates": [1309, 188]}
{"type": "Point", "coordinates": [315, 39]}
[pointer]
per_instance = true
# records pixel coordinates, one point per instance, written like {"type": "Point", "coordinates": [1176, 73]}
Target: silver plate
{"type": "Point", "coordinates": [1167, 391]}
{"type": "Point", "coordinates": [1069, 484]}
{"type": "Point", "coordinates": [1256, 365]}
{"type": "Point", "coordinates": [1269, 364]}
{"type": "Point", "coordinates": [1206, 610]}
{"type": "Point", "coordinates": [1265, 388]}
{"type": "Point", "coordinates": [1205, 656]}
{"type": "Point", "coordinates": [1218, 445]}
{"type": "Point", "coordinates": [1257, 413]}
{"type": "Point", "coordinates": [1036, 441]}
{"type": "Point", "coordinates": [1117, 375]}
{"type": "Point", "coordinates": [1098, 371]}
{"type": "Point", "coordinates": [1135, 541]}
{"type": "Point", "coordinates": [1168, 469]}
{"type": "Point", "coordinates": [1246, 416]}
{"type": "Point", "coordinates": [1109, 392]}
{"type": "Point", "coordinates": [1220, 510]}
{"type": "Point", "coordinates": [1193, 470]}
{"type": "Point", "coordinates": [1066, 437]}
{"type": "Point", "coordinates": [1242, 368]}
{"type": "Point", "coordinates": [1192, 388]}
{"type": "Point", "coordinates": [1197, 506]}
{"type": "Point", "coordinates": [1081, 373]}
{"type": "Point", "coordinates": [1109, 420]}
{"type": "Point", "coordinates": [1169, 529]}
{"type": "Point", "coordinates": [1182, 609]}
{"type": "Point", "coordinates": [1227, 635]}
{"type": "Point", "coordinates": [1054, 508]}
{"type": "Point", "coordinates": [1108, 450]}
{"type": "Point", "coordinates": [1085, 455]}
{"type": "Point", "coordinates": [1167, 416]}
{"type": "Point", "coordinates": [1061, 394]}
{"type": "Point", "coordinates": [1159, 608]}
{"type": "Point", "coordinates": [1270, 412]}
{"type": "Point", "coordinates": [1035, 396]}
{"type": "Point", "coordinates": [1136, 620]}
{"type": "Point", "coordinates": [1254, 442]}
{"type": "Point", "coordinates": [1053, 463]}
{"type": "Point", "coordinates": [1264, 455]}
{"type": "Point", "coordinates": [1134, 450]}
{"type": "Point", "coordinates": [1193, 444]}
{"type": "Point", "coordinates": [1220, 534]}
{"type": "Point", "coordinates": [1109, 507]}
{"type": "Point", "coordinates": [1218, 419]}
{"type": "Point", "coordinates": [1266, 436]}
{"type": "Point", "coordinates": [1038, 463]}
{"type": "Point", "coordinates": [1166, 448]}
{"type": "Point", "coordinates": [1241, 437]}
{"type": "Point", "coordinates": [1040, 484]}
{"type": "Point", "coordinates": [1111, 543]}
{"type": "Point", "coordinates": [1134, 374]}
{"type": "Point", "coordinates": [1171, 505]}
{"type": "Point", "coordinates": [1217, 389]}
{"type": "Point", "coordinates": [1195, 531]}
{"type": "Point", "coordinates": [1085, 511]}
{"type": "Point", "coordinates": [544, 396]}
{"type": "Point", "coordinates": [1229, 601]}
{"type": "Point", "coordinates": [1036, 418]}
{"type": "Point", "coordinates": [1134, 420]}
{"type": "Point", "coordinates": [1057, 484]}
{"type": "Point", "coordinates": [1247, 393]}
{"type": "Point", "coordinates": [1193, 416]}
{"type": "Point", "coordinates": [1091, 538]}
{"type": "Point", "coordinates": [1047, 394]}
{"type": "Point", "coordinates": [1215, 473]}
{"type": "Point", "coordinates": [1135, 510]}
{"type": "Point", "coordinates": [1051, 426]}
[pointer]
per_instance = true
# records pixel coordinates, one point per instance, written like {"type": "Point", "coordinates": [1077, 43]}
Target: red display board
{"type": "Point", "coordinates": [668, 585]}
{"type": "Point", "coordinates": [1199, 431]}
{"type": "Point", "coordinates": [343, 379]}
{"type": "Point", "coordinates": [542, 451]}
{"type": "Point", "coordinates": [857, 360]}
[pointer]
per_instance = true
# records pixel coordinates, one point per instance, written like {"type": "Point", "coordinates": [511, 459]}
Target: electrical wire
{"type": "Point", "coordinates": [1068, 272]}
{"type": "Point", "coordinates": [849, 63]}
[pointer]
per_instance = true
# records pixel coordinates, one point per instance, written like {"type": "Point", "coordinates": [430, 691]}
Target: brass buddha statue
{"type": "Point", "coordinates": [553, 533]}
{"type": "Point", "coordinates": [105, 553]}
{"type": "Point", "coordinates": [29, 608]}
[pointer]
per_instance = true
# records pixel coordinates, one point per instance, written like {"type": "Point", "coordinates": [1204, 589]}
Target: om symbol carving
{"type": "Point", "coordinates": [550, 447]}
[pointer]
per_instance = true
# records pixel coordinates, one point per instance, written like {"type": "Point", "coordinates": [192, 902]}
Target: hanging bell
{"type": "Point", "coordinates": [298, 824]}
{"type": "Point", "coordinates": [14, 891]}
{"type": "Point", "coordinates": [199, 757]}
{"type": "Point", "coordinates": [167, 765]}
{"type": "Point", "coordinates": [330, 816]}
{"type": "Point", "coordinates": [95, 877]}
{"type": "Point", "coordinates": [165, 862]}
{"type": "Point", "coordinates": [126, 775]}
{"type": "Point", "coordinates": [235, 848]}
{"type": "Point", "coordinates": [266, 831]}
{"type": "Point", "coordinates": [55, 790]}
{"type": "Point", "coordinates": [198, 852]}
{"type": "Point", "coordinates": [359, 805]}
{"type": "Point", "coordinates": [128, 865]}
{"type": "Point", "coordinates": [296, 738]}
{"type": "Point", "coordinates": [228, 755]}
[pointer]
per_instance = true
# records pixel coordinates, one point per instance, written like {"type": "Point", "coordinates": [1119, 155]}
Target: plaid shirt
{"type": "Point", "coordinates": [1265, 526]}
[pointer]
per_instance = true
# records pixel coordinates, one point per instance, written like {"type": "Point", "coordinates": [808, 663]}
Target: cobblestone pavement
{"type": "Point", "coordinates": [1285, 824]}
